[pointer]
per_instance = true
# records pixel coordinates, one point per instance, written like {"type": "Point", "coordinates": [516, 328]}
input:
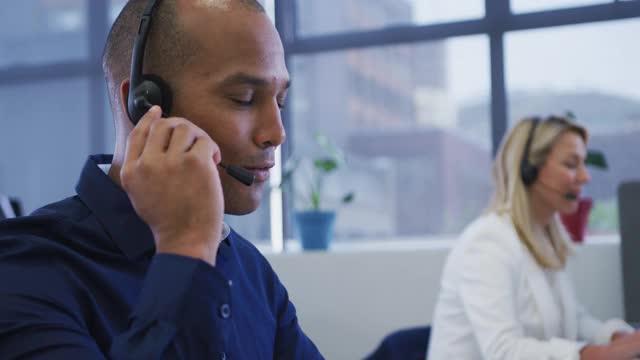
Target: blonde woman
{"type": "Point", "coordinates": [505, 294]}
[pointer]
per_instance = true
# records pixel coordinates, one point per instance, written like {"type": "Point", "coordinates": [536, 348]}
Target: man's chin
{"type": "Point", "coordinates": [240, 211]}
{"type": "Point", "coordinates": [240, 199]}
{"type": "Point", "coordinates": [242, 206]}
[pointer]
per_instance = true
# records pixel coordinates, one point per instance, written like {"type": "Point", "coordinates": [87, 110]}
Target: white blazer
{"type": "Point", "coordinates": [497, 303]}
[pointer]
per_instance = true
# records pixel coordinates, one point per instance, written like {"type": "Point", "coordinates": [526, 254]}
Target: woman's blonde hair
{"type": "Point", "coordinates": [511, 196]}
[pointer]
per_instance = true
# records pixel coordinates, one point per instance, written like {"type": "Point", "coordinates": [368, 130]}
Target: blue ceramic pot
{"type": "Point", "coordinates": [315, 228]}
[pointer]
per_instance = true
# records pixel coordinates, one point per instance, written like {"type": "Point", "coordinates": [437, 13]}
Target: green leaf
{"type": "Point", "coordinates": [315, 200]}
{"type": "Point", "coordinates": [286, 177]}
{"type": "Point", "coordinates": [596, 159]}
{"type": "Point", "coordinates": [330, 148]}
{"type": "Point", "coordinates": [326, 165]}
{"type": "Point", "coordinates": [348, 198]}
{"type": "Point", "coordinates": [290, 167]}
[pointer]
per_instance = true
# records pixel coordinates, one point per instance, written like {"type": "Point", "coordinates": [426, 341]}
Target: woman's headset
{"type": "Point", "coordinates": [528, 171]}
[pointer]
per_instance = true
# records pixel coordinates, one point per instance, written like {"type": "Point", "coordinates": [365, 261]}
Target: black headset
{"type": "Point", "coordinates": [146, 90]}
{"type": "Point", "coordinates": [528, 171]}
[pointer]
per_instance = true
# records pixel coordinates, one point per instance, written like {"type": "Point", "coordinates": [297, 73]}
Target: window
{"type": "Point", "coordinates": [589, 70]}
{"type": "Point", "coordinates": [331, 16]}
{"type": "Point", "coordinates": [413, 118]}
{"type": "Point", "coordinates": [116, 6]}
{"type": "Point", "coordinates": [413, 123]}
{"type": "Point", "coordinates": [255, 227]}
{"type": "Point", "coordinates": [114, 9]}
{"type": "Point", "coordinates": [39, 31]}
{"type": "Point", "coordinates": [43, 147]}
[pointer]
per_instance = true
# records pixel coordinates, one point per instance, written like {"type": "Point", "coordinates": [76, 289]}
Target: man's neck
{"type": "Point", "coordinates": [114, 173]}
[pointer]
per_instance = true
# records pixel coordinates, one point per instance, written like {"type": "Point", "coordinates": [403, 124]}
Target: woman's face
{"type": "Point", "coordinates": [562, 174]}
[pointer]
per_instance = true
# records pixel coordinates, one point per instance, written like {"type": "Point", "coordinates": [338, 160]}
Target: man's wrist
{"type": "Point", "coordinates": [204, 252]}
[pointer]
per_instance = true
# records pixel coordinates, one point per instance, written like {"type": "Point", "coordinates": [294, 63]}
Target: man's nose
{"type": "Point", "coordinates": [270, 132]}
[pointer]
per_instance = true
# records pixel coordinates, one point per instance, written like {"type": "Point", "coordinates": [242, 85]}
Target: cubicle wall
{"type": "Point", "coordinates": [348, 301]}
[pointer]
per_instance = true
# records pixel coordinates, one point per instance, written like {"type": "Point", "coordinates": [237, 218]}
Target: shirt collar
{"type": "Point", "coordinates": [113, 209]}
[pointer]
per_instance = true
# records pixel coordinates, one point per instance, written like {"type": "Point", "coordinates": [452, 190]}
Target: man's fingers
{"type": "Point", "coordinates": [138, 137]}
{"type": "Point", "coordinates": [183, 138]}
{"type": "Point", "coordinates": [159, 136]}
{"type": "Point", "coordinates": [205, 147]}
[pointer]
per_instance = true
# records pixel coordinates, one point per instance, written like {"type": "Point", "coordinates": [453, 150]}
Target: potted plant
{"type": "Point", "coordinates": [315, 222]}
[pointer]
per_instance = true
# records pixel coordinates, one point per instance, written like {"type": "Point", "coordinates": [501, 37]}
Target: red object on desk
{"type": "Point", "coordinates": [576, 223]}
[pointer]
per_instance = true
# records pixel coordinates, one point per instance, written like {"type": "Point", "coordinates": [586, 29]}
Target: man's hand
{"type": "Point", "coordinates": [172, 180]}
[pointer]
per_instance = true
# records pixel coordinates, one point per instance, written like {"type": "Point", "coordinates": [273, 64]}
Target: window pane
{"type": "Point", "coordinates": [255, 227]}
{"type": "Point", "coordinates": [519, 6]}
{"type": "Point", "coordinates": [42, 31]}
{"type": "Point", "coordinates": [412, 121]}
{"type": "Point", "coordinates": [114, 9]}
{"type": "Point", "coordinates": [43, 145]}
{"type": "Point", "coordinates": [589, 70]}
{"type": "Point", "coordinates": [116, 6]}
{"type": "Point", "coordinates": [330, 16]}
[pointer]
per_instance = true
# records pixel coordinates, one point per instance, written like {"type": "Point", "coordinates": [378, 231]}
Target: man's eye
{"type": "Point", "coordinates": [242, 102]}
{"type": "Point", "coordinates": [571, 165]}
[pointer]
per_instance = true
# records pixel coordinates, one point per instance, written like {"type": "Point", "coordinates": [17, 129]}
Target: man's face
{"type": "Point", "coordinates": [234, 90]}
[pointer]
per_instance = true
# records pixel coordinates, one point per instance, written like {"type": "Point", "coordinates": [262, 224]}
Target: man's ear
{"type": "Point", "coordinates": [124, 95]}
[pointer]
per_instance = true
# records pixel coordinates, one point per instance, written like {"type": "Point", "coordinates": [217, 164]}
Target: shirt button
{"type": "Point", "coordinates": [223, 356]}
{"type": "Point", "coordinates": [225, 311]}
{"type": "Point", "coordinates": [230, 283]}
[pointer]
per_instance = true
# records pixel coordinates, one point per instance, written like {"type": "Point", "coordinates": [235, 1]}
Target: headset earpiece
{"type": "Point", "coordinates": [151, 91]}
{"type": "Point", "coordinates": [529, 172]}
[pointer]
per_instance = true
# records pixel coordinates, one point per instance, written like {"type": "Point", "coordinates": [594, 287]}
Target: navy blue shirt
{"type": "Point", "coordinates": [79, 279]}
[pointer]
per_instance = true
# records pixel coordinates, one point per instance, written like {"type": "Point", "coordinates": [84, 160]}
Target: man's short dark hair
{"type": "Point", "coordinates": [169, 47]}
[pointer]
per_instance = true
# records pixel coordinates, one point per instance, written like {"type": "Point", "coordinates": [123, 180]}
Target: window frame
{"type": "Point", "coordinates": [498, 21]}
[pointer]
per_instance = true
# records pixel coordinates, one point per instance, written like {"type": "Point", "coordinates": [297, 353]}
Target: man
{"type": "Point", "coordinates": [135, 266]}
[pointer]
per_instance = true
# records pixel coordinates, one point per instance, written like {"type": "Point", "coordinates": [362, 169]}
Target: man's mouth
{"type": "Point", "coordinates": [260, 171]}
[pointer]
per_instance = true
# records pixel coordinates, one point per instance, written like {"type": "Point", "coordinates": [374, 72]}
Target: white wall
{"type": "Point", "coordinates": [348, 300]}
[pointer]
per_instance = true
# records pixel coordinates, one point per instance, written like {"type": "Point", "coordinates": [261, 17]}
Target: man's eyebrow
{"type": "Point", "coordinates": [248, 79]}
